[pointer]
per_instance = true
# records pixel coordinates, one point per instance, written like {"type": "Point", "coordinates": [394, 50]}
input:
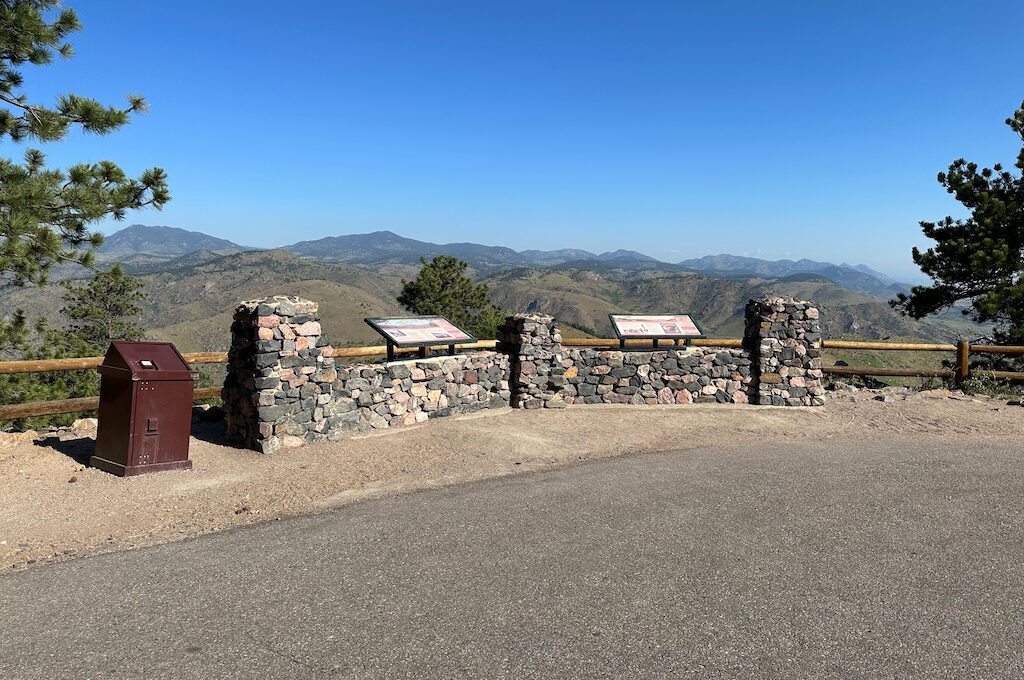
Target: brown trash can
{"type": "Point", "coordinates": [145, 414]}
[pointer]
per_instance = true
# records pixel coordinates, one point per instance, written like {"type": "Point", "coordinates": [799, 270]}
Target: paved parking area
{"type": "Point", "coordinates": [819, 561]}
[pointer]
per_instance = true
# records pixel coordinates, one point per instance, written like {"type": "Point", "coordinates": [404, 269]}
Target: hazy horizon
{"type": "Point", "coordinates": [911, 277]}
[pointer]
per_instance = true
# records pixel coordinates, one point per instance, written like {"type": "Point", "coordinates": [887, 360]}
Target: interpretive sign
{"type": "Point", "coordinates": [419, 331]}
{"type": "Point", "coordinates": [677, 327]}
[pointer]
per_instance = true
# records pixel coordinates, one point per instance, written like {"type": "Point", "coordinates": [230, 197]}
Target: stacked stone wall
{"type": "Point", "coordinates": [784, 337]}
{"type": "Point", "coordinates": [683, 376]}
{"type": "Point", "coordinates": [280, 373]}
{"type": "Point", "coordinates": [284, 389]}
{"type": "Point", "coordinates": [379, 396]}
{"type": "Point", "coordinates": [537, 360]}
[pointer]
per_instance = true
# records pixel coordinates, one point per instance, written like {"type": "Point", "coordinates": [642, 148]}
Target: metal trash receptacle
{"type": "Point", "coordinates": [145, 414]}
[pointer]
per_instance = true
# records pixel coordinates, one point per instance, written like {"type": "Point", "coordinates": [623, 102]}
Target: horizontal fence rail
{"type": "Point", "coordinates": [894, 346]}
{"type": "Point", "coordinates": [960, 371]}
{"type": "Point", "coordinates": [890, 372]}
{"type": "Point", "coordinates": [84, 363]}
{"type": "Point", "coordinates": [52, 408]}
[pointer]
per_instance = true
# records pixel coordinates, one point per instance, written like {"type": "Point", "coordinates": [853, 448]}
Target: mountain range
{"type": "Point", "coordinates": [147, 248]}
{"type": "Point", "coordinates": [193, 281]}
{"type": "Point", "coordinates": [385, 246]}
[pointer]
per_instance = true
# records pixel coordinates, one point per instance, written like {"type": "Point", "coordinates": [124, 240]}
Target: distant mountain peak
{"type": "Point", "coordinates": [860, 277]}
{"type": "Point", "coordinates": [622, 254]}
{"type": "Point", "coordinates": [161, 241]}
{"type": "Point", "coordinates": [386, 246]}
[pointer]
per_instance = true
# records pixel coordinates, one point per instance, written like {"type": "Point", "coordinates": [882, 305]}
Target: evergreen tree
{"type": "Point", "coordinates": [104, 309]}
{"type": "Point", "coordinates": [442, 288]}
{"type": "Point", "coordinates": [980, 259]}
{"type": "Point", "coordinates": [44, 212]}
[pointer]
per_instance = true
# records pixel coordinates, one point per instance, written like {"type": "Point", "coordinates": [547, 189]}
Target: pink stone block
{"type": "Point", "coordinates": [309, 328]}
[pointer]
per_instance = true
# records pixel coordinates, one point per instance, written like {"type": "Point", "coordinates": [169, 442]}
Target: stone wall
{"type": "Point", "coordinates": [538, 360]}
{"type": "Point", "coordinates": [284, 389]}
{"type": "Point", "coordinates": [378, 396]}
{"type": "Point", "coordinates": [280, 373]}
{"type": "Point", "coordinates": [674, 376]}
{"type": "Point", "coordinates": [784, 338]}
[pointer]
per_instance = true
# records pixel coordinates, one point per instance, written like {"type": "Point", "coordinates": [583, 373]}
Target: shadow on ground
{"type": "Point", "coordinates": [211, 431]}
{"type": "Point", "coordinates": [78, 449]}
{"type": "Point", "coordinates": [206, 426]}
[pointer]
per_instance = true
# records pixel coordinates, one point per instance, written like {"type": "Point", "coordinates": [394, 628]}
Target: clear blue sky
{"type": "Point", "coordinates": [784, 129]}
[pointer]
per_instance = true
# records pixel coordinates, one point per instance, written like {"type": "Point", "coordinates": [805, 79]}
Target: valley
{"type": "Point", "coordinates": [192, 289]}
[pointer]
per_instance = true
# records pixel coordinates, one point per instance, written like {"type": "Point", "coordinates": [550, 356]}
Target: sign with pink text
{"type": "Point", "coordinates": [420, 330]}
{"type": "Point", "coordinates": [655, 326]}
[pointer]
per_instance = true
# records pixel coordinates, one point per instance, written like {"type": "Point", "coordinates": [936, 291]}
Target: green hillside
{"type": "Point", "coordinates": [192, 306]}
{"type": "Point", "coordinates": [584, 298]}
{"type": "Point", "coordinates": [190, 301]}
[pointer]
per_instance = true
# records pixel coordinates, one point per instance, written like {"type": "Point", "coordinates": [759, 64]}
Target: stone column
{"type": "Point", "coordinates": [280, 374]}
{"type": "Point", "coordinates": [784, 339]}
{"type": "Point", "coordinates": [537, 360]}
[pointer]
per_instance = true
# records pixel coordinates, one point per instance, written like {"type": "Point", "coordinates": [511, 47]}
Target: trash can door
{"type": "Point", "coordinates": [163, 413]}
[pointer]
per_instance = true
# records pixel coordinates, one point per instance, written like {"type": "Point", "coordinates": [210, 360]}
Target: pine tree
{"type": "Point", "coordinates": [442, 288]}
{"type": "Point", "coordinates": [103, 310]}
{"type": "Point", "coordinates": [980, 259]}
{"type": "Point", "coordinates": [45, 213]}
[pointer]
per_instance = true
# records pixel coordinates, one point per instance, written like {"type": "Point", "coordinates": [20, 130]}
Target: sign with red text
{"type": "Point", "coordinates": [655, 326]}
{"type": "Point", "coordinates": [420, 331]}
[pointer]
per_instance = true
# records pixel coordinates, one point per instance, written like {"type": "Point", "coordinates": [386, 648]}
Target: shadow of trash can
{"type": "Point", "coordinates": [145, 412]}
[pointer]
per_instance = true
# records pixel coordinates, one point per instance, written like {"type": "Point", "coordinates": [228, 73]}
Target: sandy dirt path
{"type": "Point", "coordinates": [54, 507]}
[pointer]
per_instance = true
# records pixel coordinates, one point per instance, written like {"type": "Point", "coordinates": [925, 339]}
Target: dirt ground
{"type": "Point", "coordinates": [54, 507]}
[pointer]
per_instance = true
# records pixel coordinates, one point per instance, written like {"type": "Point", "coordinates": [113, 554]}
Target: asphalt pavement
{"type": "Point", "coordinates": [824, 560]}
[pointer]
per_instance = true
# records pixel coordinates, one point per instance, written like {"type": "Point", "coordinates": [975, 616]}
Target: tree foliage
{"type": "Point", "coordinates": [105, 309]}
{"type": "Point", "coordinates": [980, 259]}
{"type": "Point", "coordinates": [442, 287]}
{"type": "Point", "coordinates": [45, 213]}
{"type": "Point", "coordinates": [101, 310]}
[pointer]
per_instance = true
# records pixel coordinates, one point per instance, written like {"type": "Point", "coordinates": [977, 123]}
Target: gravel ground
{"type": "Point", "coordinates": [55, 508]}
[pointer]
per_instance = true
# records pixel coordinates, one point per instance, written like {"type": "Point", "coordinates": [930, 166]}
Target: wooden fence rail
{"type": "Point", "coordinates": [52, 408]}
{"type": "Point", "coordinates": [960, 371]}
{"type": "Point", "coordinates": [85, 363]}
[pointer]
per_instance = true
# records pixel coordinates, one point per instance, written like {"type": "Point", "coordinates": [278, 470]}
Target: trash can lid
{"type": "Point", "coordinates": [145, 361]}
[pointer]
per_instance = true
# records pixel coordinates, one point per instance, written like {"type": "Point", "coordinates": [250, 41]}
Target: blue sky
{"type": "Point", "coordinates": [785, 129]}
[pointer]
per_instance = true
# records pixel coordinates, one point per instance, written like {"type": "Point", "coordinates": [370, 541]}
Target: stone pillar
{"type": "Point", "coordinates": [537, 360]}
{"type": "Point", "coordinates": [280, 374]}
{"type": "Point", "coordinates": [784, 339]}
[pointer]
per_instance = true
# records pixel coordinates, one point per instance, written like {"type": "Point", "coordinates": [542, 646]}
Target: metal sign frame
{"type": "Point", "coordinates": [656, 337]}
{"type": "Point", "coordinates": [374, 323]}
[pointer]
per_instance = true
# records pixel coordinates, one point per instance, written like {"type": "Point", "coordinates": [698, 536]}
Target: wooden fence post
{"type": "Point", "coordinates": [963, 363]}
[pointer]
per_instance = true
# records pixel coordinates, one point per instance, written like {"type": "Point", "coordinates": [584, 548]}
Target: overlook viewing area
{"type": "Point", "coordinates": [958, 371]}
{"type": "Point", "coordinates": [280, 394]}
{"type": "Point", "coordinates": [511, 341]}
